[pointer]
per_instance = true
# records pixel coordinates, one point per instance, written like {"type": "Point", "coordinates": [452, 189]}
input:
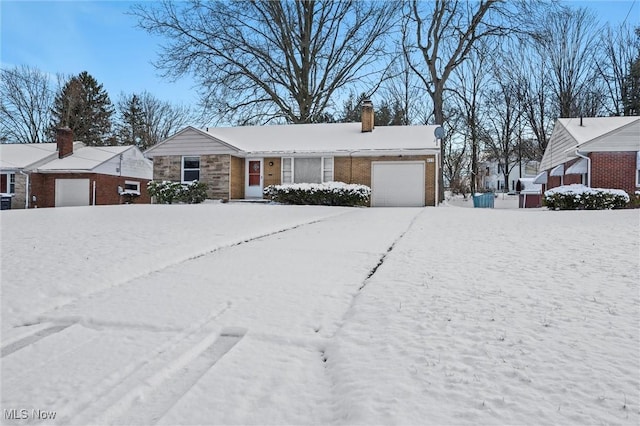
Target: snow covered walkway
{"type": "Point", "coordinates": [262, 314]}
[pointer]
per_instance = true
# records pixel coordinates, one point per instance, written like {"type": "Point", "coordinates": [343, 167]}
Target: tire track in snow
{"type": "Point", "coordinates": [182, 261]}
{"type": "Point", "coordinates": [31, 339]}
{"type": "Point", "coordinates": [323, 357]}
{"type": "Point", "coordinates": [150, 402]}
{"type": "Point", "coordinates": [112, 390]}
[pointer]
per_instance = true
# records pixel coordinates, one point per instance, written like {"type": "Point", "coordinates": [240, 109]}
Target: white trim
{"type": "Point", "coordinates": [322, 169]}
{"type": "Point", "coordinates": [246, 178]}
{"type": "Point", "coordinates": [580, 167]}
{"type": "Point", "coordinates": [423, 180]}
{"type": "Point", "coordinates": [557, 170]}
{"type": "Point", "coordinates": [182, 169]}
{"type": "Point", "coordinates": [541, 178]}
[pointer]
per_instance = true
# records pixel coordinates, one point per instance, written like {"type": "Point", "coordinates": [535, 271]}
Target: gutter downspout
{"type": "Point", "coordinates": [588, 167]}
{"type": "Point", "coordinates": [437, 203]}
{"type": "Point", "coordinates": [94, 192]}
{"type": "Point", "coordinates": [26, 195]}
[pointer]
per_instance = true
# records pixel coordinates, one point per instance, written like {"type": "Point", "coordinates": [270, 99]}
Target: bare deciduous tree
{"type": "Point", "coordinates": [438, 37]}
{"type": "Point", "coordinates": [262, 61]}
{"type": "Point", "coordinates": [26, 98]}
{"type": "Point", "coordinates": [621, 47]}
{"type": "Point", "coordinates": [146, 120]}
{"type": "Point", "coordinates": [571, 49]}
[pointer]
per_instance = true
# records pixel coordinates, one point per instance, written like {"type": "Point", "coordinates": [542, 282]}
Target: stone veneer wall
{"type": "Point", "coordinates": [18, 199]}
{"type": "Point", "coordinates": [214, 172]}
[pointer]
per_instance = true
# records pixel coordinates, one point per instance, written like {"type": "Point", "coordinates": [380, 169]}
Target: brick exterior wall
{"type": "Point", "coordinates": [272, 174]}
{"type": "Point", "coordinates": [610, 170]}
{"type": "Point", "coordinates": [358, 170]}
{"type": "Point", "coordinates": [214, 172]}
{"type": "Point", "coordinates": [614, 170]}
{"type": "Point", "coordinates": [237, 178]}
{"type": "Point", "coordinates": [43, 187]}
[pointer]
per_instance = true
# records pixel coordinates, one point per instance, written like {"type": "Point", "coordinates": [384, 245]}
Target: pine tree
{"type": "Point", "coordinates": [631, 93]}
{"type": "Point", "coordinates": [131, 130]}
{"type": "Point", "coordinates": [84, 106]}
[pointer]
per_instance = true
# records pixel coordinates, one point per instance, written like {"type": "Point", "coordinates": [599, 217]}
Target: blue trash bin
{"type": "Point", "coordinates": [483, 200]}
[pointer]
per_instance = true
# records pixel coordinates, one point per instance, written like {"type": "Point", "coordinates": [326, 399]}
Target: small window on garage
{"type": "Point", "coordinates": [327, 169]}
{"type": "Point", "coordinates": [190, 169]}
{"type": "Point", "coordinates": [130, 185]}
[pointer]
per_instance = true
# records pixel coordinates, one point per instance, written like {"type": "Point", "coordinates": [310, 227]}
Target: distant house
{"type": "Point", "coordinates": [399, 163]}
{"type": "Point", "coordinates": [68, 173]}
{"type": "Point", "coordinates": [491, 175]}
{"type": "Point", "coordinates": [600, 152]}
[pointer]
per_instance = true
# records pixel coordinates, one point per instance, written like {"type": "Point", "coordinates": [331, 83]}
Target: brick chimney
{"type": "Point", "coordinates": [64, 139]}
{"type": "Point", "coordinates": [367, 116]}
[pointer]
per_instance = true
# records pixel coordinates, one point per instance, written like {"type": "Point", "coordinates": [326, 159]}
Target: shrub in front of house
{"type": "Point", "coordinates": [167, 192]}
{"type": "Point", "coordinates": [323, 194]}
{"type": "Point", "coordinates": [581, 197]}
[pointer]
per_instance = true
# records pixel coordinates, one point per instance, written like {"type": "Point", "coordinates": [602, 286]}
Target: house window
{"type": "Point", "coordinates": [8, 183]}
{"type": "Point", "coordinates": [190, 169]}
{"type": "Point", "coordinates": [307, 170]}
{"type": "Point", "coordinates": [638, 168]}
{"type": "Point", "coordinates": [327, 169]}
{"type": "Point", "coordinates": [287, 170]}
{"type": "Point", "coordinates": [130, 185]}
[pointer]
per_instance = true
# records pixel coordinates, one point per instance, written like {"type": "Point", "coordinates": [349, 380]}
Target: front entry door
{"type": "Point", "coordinates": [253, 178]}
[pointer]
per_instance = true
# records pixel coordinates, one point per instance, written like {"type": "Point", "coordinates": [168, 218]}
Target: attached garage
{"type": "Point", "coordinates": [397, 183]}
{"type": "Point", "coordinates": [72, 192]}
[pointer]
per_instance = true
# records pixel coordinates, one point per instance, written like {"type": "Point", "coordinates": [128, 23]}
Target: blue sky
{"type": "Point", "coordinates": [99, 37]}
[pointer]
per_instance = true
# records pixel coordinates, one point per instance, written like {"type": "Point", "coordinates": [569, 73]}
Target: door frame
{"type": "Point", "coordinates": [253, 191]}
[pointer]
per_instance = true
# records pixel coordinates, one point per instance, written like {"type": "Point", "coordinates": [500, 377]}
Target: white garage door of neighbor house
{"type": "Point", "coordinates": [397, 184]}
{"type": "Point", "coordinates": [72, 192]}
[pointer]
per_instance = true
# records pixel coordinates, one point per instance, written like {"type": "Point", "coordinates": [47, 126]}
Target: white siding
{"type": "Point", "coordinates": [190, 142]}
{"type": "Point", "coordinates": [556, 152]}
{"type": "Point", "coordinates": [133, 165]}
{"type": "Point", "coordinates": [626, 138]}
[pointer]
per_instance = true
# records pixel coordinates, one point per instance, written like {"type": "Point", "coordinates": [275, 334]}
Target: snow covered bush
{"type": "Point", "coordinates": [167, 192]}
{"type": "Point", "coordinates": [325, 194]}
{"type": "Point", "coordinates": [574, 197]}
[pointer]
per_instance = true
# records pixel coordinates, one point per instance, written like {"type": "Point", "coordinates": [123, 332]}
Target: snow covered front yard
{"type": "Point", "coordinates": [266, 314]}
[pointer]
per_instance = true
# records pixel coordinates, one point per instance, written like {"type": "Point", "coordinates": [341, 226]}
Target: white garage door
{"type": "Point", "coordinates": [72, 192]}
{"type": "Point", "coordinates": [397, 184]}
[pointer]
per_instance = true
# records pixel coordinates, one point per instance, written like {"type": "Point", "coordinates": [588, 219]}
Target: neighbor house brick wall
{"type": "Point", "coordinates": [237, 178]}
{"type": "Point", "coordinates": [358, 170]}
{"type": "Point", "coordinates": [272, 174]}
{"type": "Point", "coordinates": [43, 187]}
{"type": "Point", "coordinates": [614, 170]}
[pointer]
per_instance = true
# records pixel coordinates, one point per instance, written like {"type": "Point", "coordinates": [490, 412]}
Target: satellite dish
{"type": "Point", "coordinates": [439, 132]}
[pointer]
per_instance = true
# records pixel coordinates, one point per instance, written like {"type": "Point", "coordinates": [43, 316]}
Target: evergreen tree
{"type": "Point", "coordinates": [131, 129]}
{"type": "Point", "coordinates": [84, 106]}
{"type": "Point", "coordinates": [631, 89]}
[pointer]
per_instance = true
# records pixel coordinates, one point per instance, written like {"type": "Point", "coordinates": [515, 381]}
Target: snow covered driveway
{"type": "Point", "coordinates": [261, 314]}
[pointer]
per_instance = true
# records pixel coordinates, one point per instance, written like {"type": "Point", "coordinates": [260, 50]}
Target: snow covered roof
{"type": "Point", "coordinates": [329, 137]}
{"type": "Point", "coordinates": [326, 138]}
{"type": "Point", "coordinates": [590, 134]}
{"type": "Point", "coordinates": [84, 158]}
{"type": "Point", "coordinates": [589, 128]}
{"type": "Point", "coordinates": [17, 156]}
{"type": "Point", "coordinates": [529, 186]}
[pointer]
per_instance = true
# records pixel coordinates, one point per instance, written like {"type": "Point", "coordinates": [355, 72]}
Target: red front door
{"type": "Point", "coordinates": [254, 173]}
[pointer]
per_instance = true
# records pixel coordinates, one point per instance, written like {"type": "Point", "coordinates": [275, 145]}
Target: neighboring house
{"type": "Point", "coordinates": [399, 163]}
{"type": "Point", "coordinates": [491, 175]}
{"type": "Point", "coordinates": [15, 159]}
{"type": "Point", "coordinates": [68, 173]}
{"type": "Point", "coordinates": [600, 152]}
